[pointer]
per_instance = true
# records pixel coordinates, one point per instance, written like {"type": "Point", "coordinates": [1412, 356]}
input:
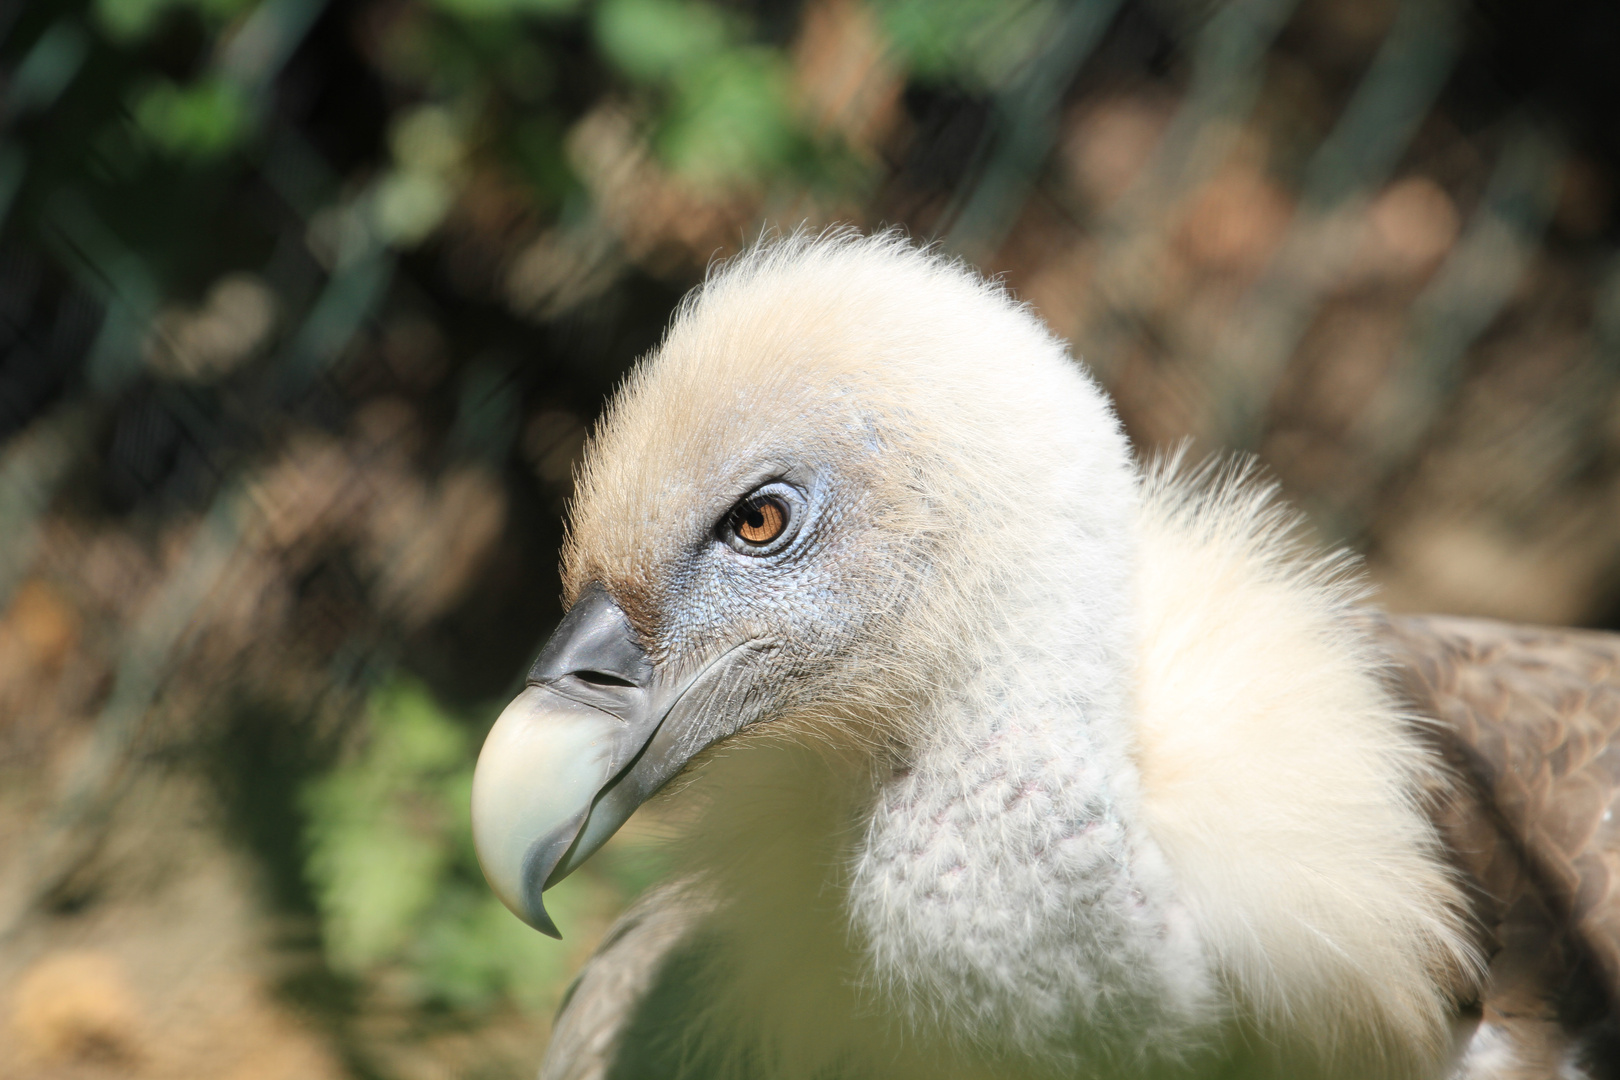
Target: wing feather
{"type": "Point", "coordinates": [601, 1008]}
{"type": "Point", "coordinates": [1529, 721]}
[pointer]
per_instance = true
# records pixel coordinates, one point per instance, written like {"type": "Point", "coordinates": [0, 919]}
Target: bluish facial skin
{"type": "Point", "coordinates": [692, 588]}
{"type": "Point", "coordinates": [707, 633]}
{"type": "Point", "coordinates": [786, 591]}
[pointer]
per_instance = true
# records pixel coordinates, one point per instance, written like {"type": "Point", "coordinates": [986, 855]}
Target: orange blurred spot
{"type": "Point", "coordinates": [1108, 145]}
{"type": "Point", "coordinates": [42, 623]}
{"type": "Point", "coordinates": [1414, 224]}
{"type": "Point", "coordinates": [76, 1006]}
{"type": "Point", "coordinates": [1236, 221]}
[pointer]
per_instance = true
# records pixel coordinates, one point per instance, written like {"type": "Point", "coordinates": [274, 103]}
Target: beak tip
{"type": "Point", "coordinates": [542, 921]}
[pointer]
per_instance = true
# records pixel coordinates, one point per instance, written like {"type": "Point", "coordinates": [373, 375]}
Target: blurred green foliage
{"type": "Point", "coordinates": [391, 863]}
{"type": "Point", "coordinates": [720, 98]}
{"type": "Point", "coordinates": [972, 41]}
{"type": "Point", "coordinates": [726, 114]}
{"type": "Point", "coordinates": [128, 21]}
{"type": "Point", "coordinates": [176, 107]}
{"type": "Point", "coordinates": [653, 40]}
{"type": "Point", "coordinates": [200, 121]}
{"type": "Point", "coordinates": [729, 118]}
{"type": "Point", "coordinates": [495, 9]}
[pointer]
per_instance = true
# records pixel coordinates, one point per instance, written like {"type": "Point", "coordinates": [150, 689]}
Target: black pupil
{"type": "Point", "coordinates": [754, 518]}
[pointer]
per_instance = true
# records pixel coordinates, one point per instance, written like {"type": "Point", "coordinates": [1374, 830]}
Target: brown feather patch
{"type": "Point", "coordinates": [1529, 719]}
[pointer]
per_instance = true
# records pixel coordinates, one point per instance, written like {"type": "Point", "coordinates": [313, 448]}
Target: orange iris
{"type": "Point", "coordinates": [762, 522]}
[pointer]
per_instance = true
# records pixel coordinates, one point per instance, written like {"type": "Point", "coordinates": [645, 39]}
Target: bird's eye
{"type": "Point", "coordinates": [759, 519]}
{"type": "Point", "coordinates": [765, 521]}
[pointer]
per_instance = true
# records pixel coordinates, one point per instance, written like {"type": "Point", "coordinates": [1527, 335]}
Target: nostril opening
{"type": "Point", "coordinates": [601, 678]}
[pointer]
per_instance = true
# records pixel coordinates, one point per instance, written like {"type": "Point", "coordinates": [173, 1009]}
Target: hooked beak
{"type": "Point", "coordinates": [590, 738]}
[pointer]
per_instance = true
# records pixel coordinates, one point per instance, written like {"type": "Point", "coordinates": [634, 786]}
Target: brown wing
{"type": "Point", "coordinates": [1529, 720]}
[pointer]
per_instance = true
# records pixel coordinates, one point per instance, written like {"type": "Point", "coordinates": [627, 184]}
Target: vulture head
{"type": "Point", "coordinates": [1114, 787]}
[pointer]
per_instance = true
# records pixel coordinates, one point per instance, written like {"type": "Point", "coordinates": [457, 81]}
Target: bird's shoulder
{"type": "Point", "coordinates": [641, 967]}
{"type": "Point", "coordinates": [1528, 721]}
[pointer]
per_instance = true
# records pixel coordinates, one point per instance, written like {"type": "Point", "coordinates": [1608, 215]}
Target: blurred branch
{"type": "Point", "coordinates": [46, 71]}
{"type": "Point", "coordinates": [1459, 305]}
{"type": "Point", "coordinates": [1228, 71]}
{"type": "Point", "coordinates": [31, 468]}
{"type": "Point", "coordinates": [72, 832]}
{"type": "Point", "coordinates": [1227, 76]}
{"type": "Point", "coordinates": [295, 171]}
{"type": "Point", "coordinates": [1028, 111]}
{"type": "Point", "coordinates": [1565, 441]}
{"type": "Point", "coordinates": [350, 297]}
{"type": "Point", "coordinates": [1355, 159]}
{"type": "Point", "coordinates": [256, 53]}
{"type": "Point", "coordinates": [13, 168]}
{"type": "Point", "coordinates": [113, 273]}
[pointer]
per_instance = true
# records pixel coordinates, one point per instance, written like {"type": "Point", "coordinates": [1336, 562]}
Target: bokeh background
{"type": "Point", "coordinates": [307, 305]}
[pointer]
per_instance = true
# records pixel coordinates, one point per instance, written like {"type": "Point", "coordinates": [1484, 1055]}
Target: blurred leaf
{"type": "Point", "coordinates": [527, 71]}
{"type": "Point", "coordinates": [731, 119]}
{"type": "Point", "coordinates": [199, 121]}
{"type": "Point", "coordinates": [409, 204]}
{"type": "Point", "coordinates": [956, 38]}
{"type": "Point", "coordinates": [537, 148]}
{"type": "Point", "coordinates": [489, 9]}
{"type": "Point", "coordinates": [417, 736]}
{"type": "Point", "coordinates": [474, 951]}
{"type": "Point", "coordinates": [428, 138]}
{"type": "Point", "coordinates": [48, 68]}
{"type": "Point", "coordinates": [129, 20]}
{"type": "Point", "coordinates": [390, 856]}
{"type": "Point", "coordinates": [650, 40]}
{"type": "Point", "coordinates": [124, 20]}
{"type": "Point", "coordinates": [374, 874]}
{"type": "Point", "coordinates": [378, 829]}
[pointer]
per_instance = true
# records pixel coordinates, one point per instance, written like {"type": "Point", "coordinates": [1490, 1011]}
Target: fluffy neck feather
{"type": "Point", "coordinates": [1005, 891]}
{"type": "Point", "coordinates": [1284, 785]}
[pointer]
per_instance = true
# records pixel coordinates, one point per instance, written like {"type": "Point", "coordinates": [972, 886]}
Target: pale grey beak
{"type": "Point", "coordinates": [569, 760]}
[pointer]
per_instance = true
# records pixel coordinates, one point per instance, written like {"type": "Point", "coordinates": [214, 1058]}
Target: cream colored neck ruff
{"type": "Point", "coordinates": [1281, 781]}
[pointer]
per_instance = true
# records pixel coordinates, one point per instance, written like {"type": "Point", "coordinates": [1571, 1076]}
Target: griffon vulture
{"type": "Point", "coordinates": [1015, 758]}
